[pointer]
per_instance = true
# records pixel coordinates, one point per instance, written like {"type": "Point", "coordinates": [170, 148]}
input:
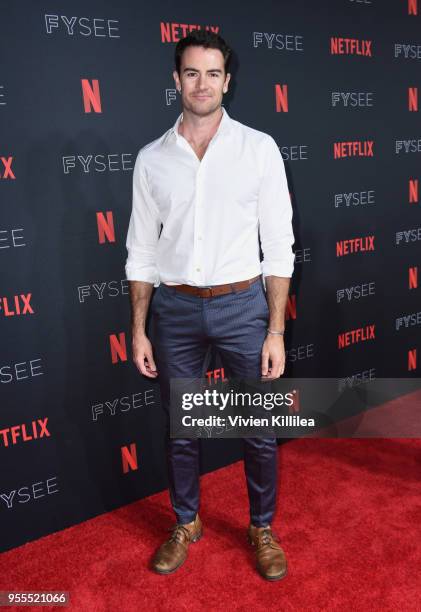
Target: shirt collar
{"type": "Point", "coordinates": [223, 127]}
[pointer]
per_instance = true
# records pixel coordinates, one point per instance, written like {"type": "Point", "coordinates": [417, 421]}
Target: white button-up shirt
{"type": "Point", "coordinates": [212, 211]}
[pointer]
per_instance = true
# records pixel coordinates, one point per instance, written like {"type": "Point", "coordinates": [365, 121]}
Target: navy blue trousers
{"type": "Point", "coordinates": [182, 329]}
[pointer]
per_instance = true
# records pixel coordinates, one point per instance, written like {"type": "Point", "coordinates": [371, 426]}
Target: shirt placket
{"type": "Point", "coordinates": [198, 255]}
{"type": "Point", "coordinates": [199, 210]}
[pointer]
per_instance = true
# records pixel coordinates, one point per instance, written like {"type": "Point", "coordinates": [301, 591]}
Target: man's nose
{"type": "Point", "coordinates": [202, 81]}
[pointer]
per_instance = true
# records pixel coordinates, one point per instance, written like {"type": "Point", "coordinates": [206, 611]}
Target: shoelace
{"type": "Point", "coordinates": [177, 533]}
{"type": "Point", "coordinates": [266, 536]}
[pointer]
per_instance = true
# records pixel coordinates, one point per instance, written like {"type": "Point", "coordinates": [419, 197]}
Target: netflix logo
{"type": "Point", "coordinates": [412, 7]}
{"type": "Point", "coordinates": [129, 458]}
{"type": "Point", "coordinates": [281, 98]}
{"type": "Point", "coordinates": [91, 96]}
{"type": "Point", "coordinates": [118, 347]}
{"type": "Point", "coordinates": [16, 305]}
{"type": "Point", "coordinates": [24, 433]}
{"type": "Point", "coordinates": [105, 225]}
{"type": "Point", "coordinates": [354, 336]}
{"type": "Point", "coordinates": [413, 277]}
{"type": "Point", "coordinates": [413, 191]}
{"type": "Point", "coordinates": [350, 46]}
{"type": "Point", "coordinates": [291, 308]}
{"type": "Point", "coordinates": [173, 32]}
{"type": "Point", "coordinates": [413, 99]}
{"type": "Point", "coordinates": [412, 359]}
{"type": "Point", "coordinates": [357, 148]}
{"type": "Point", "coordinates": [354, 245]}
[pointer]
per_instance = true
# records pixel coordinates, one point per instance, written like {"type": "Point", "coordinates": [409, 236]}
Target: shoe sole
{"type": "Point", "coordinates": [171, 571]}
{"type": "Point", "coordinates": [272, 578]}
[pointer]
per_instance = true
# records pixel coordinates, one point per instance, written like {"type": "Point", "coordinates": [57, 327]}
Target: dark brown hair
{"type": "Point", "coordinates": [202, 38]}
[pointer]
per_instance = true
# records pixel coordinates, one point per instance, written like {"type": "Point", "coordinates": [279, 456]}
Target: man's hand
{"type": "Point", "coordinates": [143, 356]}
{"type": "Point", "coordinates": [274, 350]}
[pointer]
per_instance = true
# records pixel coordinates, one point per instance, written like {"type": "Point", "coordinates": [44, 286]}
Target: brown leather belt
{"type": "Point", "coordinates": [216, 289]}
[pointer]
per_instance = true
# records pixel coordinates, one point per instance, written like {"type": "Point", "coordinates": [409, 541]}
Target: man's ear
{"type": "Point", "coordinates": [176, 80]}
{"type": "Point", "coordinates": [227, 80]}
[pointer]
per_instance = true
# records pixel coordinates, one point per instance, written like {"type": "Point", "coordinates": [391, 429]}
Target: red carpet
{"type": "Point", "coordinates": [349, 518]}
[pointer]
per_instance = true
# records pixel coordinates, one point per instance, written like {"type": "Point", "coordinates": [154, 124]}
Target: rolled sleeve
{"type": "Point", "coordinates": [275, 216]}
{"type": "Point", "coordinates": [143, 231]}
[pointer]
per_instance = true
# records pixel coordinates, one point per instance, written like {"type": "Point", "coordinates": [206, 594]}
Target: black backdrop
{"type": "Point", "coordinates": [81, 430]}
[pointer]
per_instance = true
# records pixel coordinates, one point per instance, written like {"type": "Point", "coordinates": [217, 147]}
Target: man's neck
{"type": "Point", "coordinates": [195, 128]}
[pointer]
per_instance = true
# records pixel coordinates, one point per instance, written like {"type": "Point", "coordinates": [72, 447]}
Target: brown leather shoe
{"type": "Point", "coordinates": [173, 552]}
{"type": "Point", "coordinates": [271, 560]}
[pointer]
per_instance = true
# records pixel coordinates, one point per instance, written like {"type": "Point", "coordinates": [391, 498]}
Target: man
{"type": "Point", "coordinates": [214, 184]}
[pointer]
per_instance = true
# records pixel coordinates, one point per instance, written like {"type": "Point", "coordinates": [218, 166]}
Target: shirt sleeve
{"type": "Point", "coordinates": [275, 216]}
{"type": "Point", "coordinates": [143, 231]}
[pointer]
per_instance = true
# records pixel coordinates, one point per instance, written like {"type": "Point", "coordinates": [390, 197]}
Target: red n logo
{"type": "Point", "coordinates": [291, 309]}
{"type": "Point", "coordinates": [413, 98]}
{"type": "Point", "coordinates": [412, 7]}
{"type": "Point", "coordinates": [105, 227]}
{"type": "Point", "coordinates": [129, 458]}
{"type": "Point", "coordinates": [412, 360]}
{"type": "Point", "coordinates": [413, 277]}
{"type": "Point", "coordinates": [413, 191]}
{"type": "Point", "coordinates": [91, 96]}
{"type": "Point", "coordinates": [281, 98]}
{"type": "Point", "coordinates": [118, 347]}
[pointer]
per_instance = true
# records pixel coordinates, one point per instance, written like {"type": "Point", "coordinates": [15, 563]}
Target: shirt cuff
{"type": "Point", "coordinates": [283, 268]}
{"type": "Point", "coordinates": [145, 274]}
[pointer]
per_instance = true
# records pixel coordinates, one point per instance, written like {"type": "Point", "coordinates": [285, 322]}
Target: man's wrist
{"type": "Point", "coordinates": [138, 332]}
{"type": "Point", "coordinates": [275, 332]}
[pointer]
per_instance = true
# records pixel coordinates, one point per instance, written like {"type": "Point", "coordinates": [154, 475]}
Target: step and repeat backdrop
{"type": "Point", "coordinates": [83, 86]}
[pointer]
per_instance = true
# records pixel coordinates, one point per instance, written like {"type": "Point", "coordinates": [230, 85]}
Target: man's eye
{"type": "Point", "coordinates": [215, 74]}
{"type": "Point", "coordinates": [191, 73]}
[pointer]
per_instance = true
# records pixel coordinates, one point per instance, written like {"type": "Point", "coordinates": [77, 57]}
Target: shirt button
{"type": "Point", "coordinates": [199, 237]}
{"type": "Point", "coordinates": [197, 269]}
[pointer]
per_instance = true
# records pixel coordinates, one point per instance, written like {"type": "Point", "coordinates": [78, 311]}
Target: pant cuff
{"type": "Point", "coordinates": [258, 522]}
{"type": "Point", "coordinates": [183, 519]}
